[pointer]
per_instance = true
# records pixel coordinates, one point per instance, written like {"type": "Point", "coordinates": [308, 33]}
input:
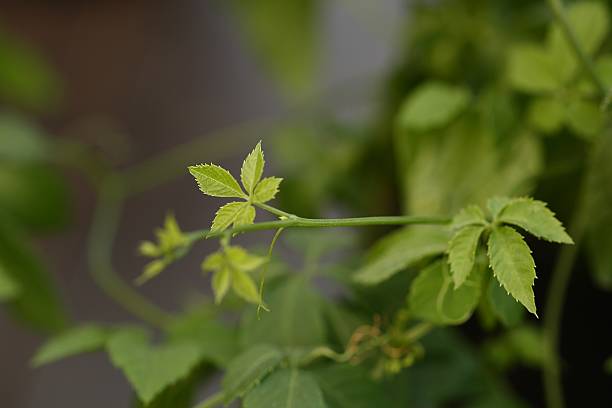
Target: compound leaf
{"type": "Point", "coordinates": [470, 215]}
{"type": "Point", "coordinates": [534, 217]}
{"type": "Point", "coordinates": [462, 252]}
{"type": "Point", "coordinates": [236, 213]}
{"type": "Point", "coordinates": [266, 189]}
{"type": "Point", "coordinates": [215, 181]}
{"type": "Point", "coordinates": [512, 264]}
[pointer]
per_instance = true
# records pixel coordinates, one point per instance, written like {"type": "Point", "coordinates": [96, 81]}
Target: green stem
{"type": "Point", "coordinates": [299, 222]}
{"type": "Point", "coordinates": [101, 237]}
{"type": "Point", "coordinates": [587, 65]}
{"type": "Point", "coordinates": [275, 211]}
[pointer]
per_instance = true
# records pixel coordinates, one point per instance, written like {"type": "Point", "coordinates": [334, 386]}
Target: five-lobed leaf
{"type": "Point", "coordinates": [72, 342]}
{"type": "Point", "coordinates": [512, 264]}
{"type": "Point", "coordinates": [215, 181]}
{"type": "Point", "coordinates": [286, 388]}
{"type": "Point", "coordinates": [534, 217]}
{"type": "Point", "coordinates": [252, 169]}
{"type": "Point", "coordinates": [462, 252]}
{"type": "Point", "coordinates": [248, 369]}
{"type": "Point", "coordinates": [266, 189]}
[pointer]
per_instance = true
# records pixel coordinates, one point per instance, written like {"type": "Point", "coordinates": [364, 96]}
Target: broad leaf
{"type": "Point", "coordinates": [470, 215]}
{"type": "Point", "coordinates": [432, 105]}
{"type": "Point", "coordinates": [149, 369]}
{"type": "Point", "coordinates": [534, 217]}
{"type": "Point", "coordinates": [546, 114]}
{"type": "Point", "coordinates": [407, 248]}
{"type": "Point", "coordinates": [266, 189]}
{"type": "Point", "coordinates": [462, 252]}
{"type": "Point", "coordinates": [248, 369]}
{"type": "Point", "coordinates": [350, 386]}
{"type": "Point", "coordinates": [504, 307]}
{"type": "Point", "coordinates": [236, 213]}
{"type": "Point", "coordinates": [496, 204]}
{"type": "Point", "coordinates": [78, 340]}
{"type": "Point", "coordinates": [295, 319]}
{"type": "Point", "coordinates": [432, 297]}
{"type": "Point", "coordinates": [215, 181]}
{"type": "Point", "coordinates": [512, 264]}
{"type": "Point", "coordinates": [532, 69]}
{"type": "Point", "coordinates": [252, 169]}
{"type": "Point", "coordinates": [287, 388]}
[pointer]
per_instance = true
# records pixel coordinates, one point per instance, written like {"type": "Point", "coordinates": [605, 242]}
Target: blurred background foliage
{"type": "Point", "coordinates": [477, 98]}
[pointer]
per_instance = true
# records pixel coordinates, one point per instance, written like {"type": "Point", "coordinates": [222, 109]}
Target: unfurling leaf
{"type": "Point", "coordinates": [215, 181]}
{"type": "Point", "coordinates": [287, 388]}
{"type": "Point", "coordinates": [236, 213]}
{"type": "Point", "coordinates": [266, 189]}
{"type": "Point", "coordinates": [248, 369]}
{"type": "Point", "coordinates": [462, 252]}
{"type": "Point", "coordinates": [535, 217]}
{"type": "Point", "coordinates": [512, 264]}
{"type": "Point", "coordinates": [252, 169]}
{"type": "Point", "coordinates": [433, 299]}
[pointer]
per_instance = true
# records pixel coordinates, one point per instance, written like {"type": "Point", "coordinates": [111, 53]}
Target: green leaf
{"type": "Point", "coordinates": [296, 318]}
{"type": "Point", "coordinates": [9, 289]}
{"type": "Point", "coordinates": [433, 299]}
{"type": "Point", "coordinates": [462, 252]}
{"type": "Point", "coordinates": [78, 340]}
{"type": "Point", "coordinates": [585, 118]}
{"type": "Point", "coordinates": [350, 386]}
{"type": "Point", "coordinates": [37, 303]}
{"type": "Point", "coordinates": [408, 248]}
{"type": "Point", "coordinates": [470, 215]}
{"type": "Point", "coordinates": [221, 282]}
{"type": "Point", "coordinates": [590, 23]}
{"type": "Point", "coordinates": [432, 105]}
{"type": "Point", "coordinates": [149, 369]}
{"type": "Point", "coordinates": [287, 388]}
{"type": "Point", "coordinates": [266, 189]}
{"type": "Point", "coordinates": [512, 264]}
{"type": "Point", "coordinates": [244, 286]}
{"type": "Point", "coordinates": [236, 213]}
{"type": "Point", "coordinates": [151, 270]}
{"type": "Point", "coordinates": [248, 369]}
{"type": "Point", "coordinates": [215, 181]}
{"type": "Point", "coordinates": [546, 114]}
{"type": "Point", "coordinates": [504, 306]}
{"type": "Point", "coordinates": [532, 69]}
{"type": "Point", "coordinates": [252, 169]}
{"type": "Point", "coordinates": [239, 258]}
{"type": "Point", "coordinates": [534, 217]}
{"type": "Point", "coordinates": [495, 205]}
{"type": "Point", "coordinates": [21, 140]}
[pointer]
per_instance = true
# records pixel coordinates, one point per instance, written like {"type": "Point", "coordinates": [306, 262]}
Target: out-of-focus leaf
{"type": "Point", "coordinates": [291, 56]}
{"type": "Point", "coordinates": [72, 342]}
{"type": "Point", "coordinates": [9, 289]}
{"type": "Point", "coordinates": [532, 69]}
{"type": "Point", "coordinates": [348, 386]}
{"type": "Point", "coordinates": [508, 310]}
{"type": "Point", "coordinates": [25, 78]}
{"type": "Point", "coordinates": [248, 369]}
{"type": "Point", "coordinates": [149, 369]}
{"type": "Point", "coordinates": [432, 105]}
{"type": "Point", "coordinates": [402, 250]}
{"type": "Point", "coordinates": [433, 298]}
{"type": "Point", "coordinates": [34, 195]}
{"type": "Point", "coordinates": [21, 140]}
{"type": "Point", "coordinates": [287, 388]}
{"type": "Point", "coordinates": [523, 345]}
{"type": "Point", "coordinates": [37, 302]}
{"type": "Point", "coordinates": [295, 319]}
{"type": "Point", "coordinates": [546, 114]}
{"type": "Point", "coordinates": [585, 118]}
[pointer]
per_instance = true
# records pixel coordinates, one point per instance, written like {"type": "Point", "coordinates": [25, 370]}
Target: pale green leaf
{"type": "Point", "coordinates": [470, 215]}
{"type": "Point", "coordinates": [432, 105]}
{"type": "Point", "coordinates": [433, 299]}
{"type": "Point", "coordinates": [462, 252]}
{"type": "Point", "coordinates": [248, 369]}
{"type": "Point", "coordinates": [585, 118]}
{"type": "Point", "coordinates": [244, 286]}
{"type": "Point", "coordinates": [496, 204]}
{"type": "Point", "coordinates": [504, 307]}
{"type": "Point", "coordinates": [149, 369]}
{"type": "Point", "coordinates": [296, 317]}
{"type": "Point", "coordinates": [287, 388]}
{"type": "Point", "coordinates": [214, 262]}
{"type": "Point", "coordinates": [148, 248]}
{"type": "Point", "coordinates": [534, 217]}
{"type": "Point", "coordinates": [215, 181]}
{"type": "Point", "coordinates": [221, 281]}
{"type": "Point", "coordinates": [350, 386]}
{"type": "Point", "coordinates": [407, 249]}
{"type": "Point", "coordinates": [512, 264]}
{"type": "Point", "coordinates": [239, 258]}
{"type": "Point", "coordinates": [78, 340]}
{"type": "Point", "coordinates": [151, 270]}
{"type": "Point", "coordinates": [266, 189]}
{"type": "Point", "coordinates": [236, 213]}
{"type": "Point", "coordinates": [532, 69]}
{"type": "Point", "coordinates": [546, 114]}
{"type": "Point", "coordinates": [252, 169]}
{"type": "Point", "coordinates": [9, 289]}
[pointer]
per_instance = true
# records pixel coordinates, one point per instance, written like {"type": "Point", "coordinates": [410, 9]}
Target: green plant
{"type": "Point", "coordinates": [472, 129]}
